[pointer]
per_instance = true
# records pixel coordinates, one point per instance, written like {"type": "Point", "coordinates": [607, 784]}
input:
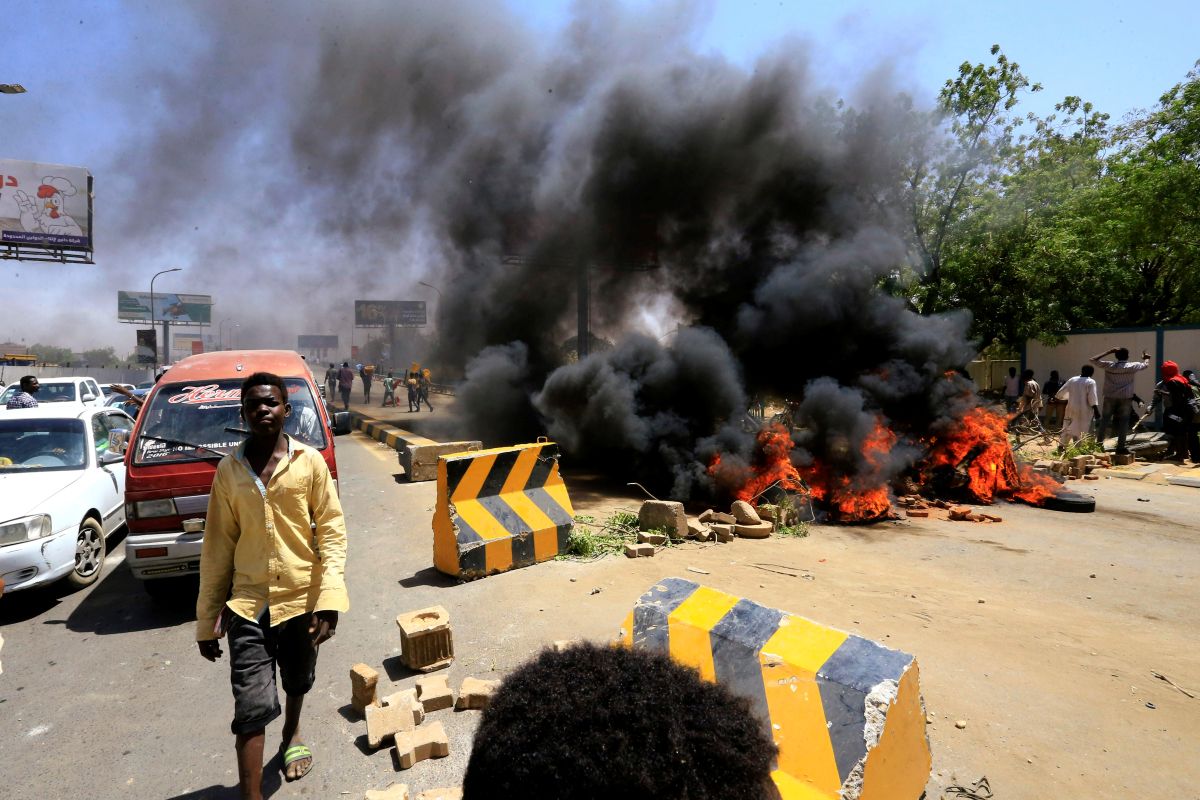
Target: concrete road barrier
{"type": "Point", "coordinates": [499, 509]}
{"type": "Point", "coordinates": [417, 454]}
{"type": "Point", "coordinates": [845, 712]}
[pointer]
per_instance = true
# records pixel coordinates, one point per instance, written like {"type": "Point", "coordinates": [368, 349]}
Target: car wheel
{"type": "Point", "coordinates": [89, 554]}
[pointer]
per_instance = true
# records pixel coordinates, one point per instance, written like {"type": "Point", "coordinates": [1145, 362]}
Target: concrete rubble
{"type": "Point", "coordinates": [407, 698]}
{"type": "Point", "coordinates": [434, 693]}
{"type": "Point", "coordinates": [753, 530]}
{"type": "Point", "coordinates": [663, 515]}
{"type": "Point", "coordinates": [720, 517]}
{"type": "Point", "coordinates": [426, 641]}
{"type": "Point", "coordinates": [744, 513]}
{"type": "Point", "coordinates": [384, 722]}
{"type": "Point", "coordinates": [475, 694]}
{"type": "Point", "coordinates": [427, 741]}
{"type": "Point", "coordinates": [651, 538]}
{"type": "Point", "coordinates": [639, 551]}
{"type": "Point", "coordinates": [919, 507]}
{"type": "Point", "coordinates": [363, 681]}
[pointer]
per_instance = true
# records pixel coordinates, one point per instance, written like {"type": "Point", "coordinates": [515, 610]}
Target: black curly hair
{"type": "Point", "coordinates": [607, 722]}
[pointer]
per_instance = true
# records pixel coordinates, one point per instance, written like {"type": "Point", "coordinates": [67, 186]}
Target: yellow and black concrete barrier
{"type": "Point", "coordinates": [499, 509]}
{"type": "Point", "coordinates": [417, 454]}
{"type": "Point", "coordinates": [845, 712]}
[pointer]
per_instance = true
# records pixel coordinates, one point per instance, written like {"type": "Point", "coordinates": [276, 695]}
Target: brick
{"type": "Point", "coordinates": [639, 550]}
{"type": "Point", "coordinates": [744, 513]}
{"type": "Point", "coordinates": [753, 530]}
{"type": "Point", "coordinates": [426, 642]}
{"type": "Point", "coordinates": [711, 516]}
{"type": "Point", "coordinates": [407, 698]}
{"type": "Point", "coordinates": [445, 793]}
{"type": "Point", "coordinates": [663, 515]}
{"type": "Point", "coordinates": [915, 512]}
{"type": "Point", "coordinates": [704, 534]}
{"type": "Point", "coordinates": [651, 538]}
{"type": "Point", "coordinates": [724, 533]}
{"type": "Point", "coordinates": [427, 741]}
{"type": "Point", "coordinates": [435, 693]}
{"type": "Point", "coordinates": [697, 529]}
{"type": "Point", "coordinates": [960, 513]}
{"type": "Point", "coordinates": [363, 681]}
{"type": "Point", "coordinates": [475, 694]}
{"type": "Point", "coordinates": [395, 791]}
{"type": "Point", "coordinates": [384, 722]}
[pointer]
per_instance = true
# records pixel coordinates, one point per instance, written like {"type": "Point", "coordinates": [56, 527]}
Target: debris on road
{"type": "Point", "coordinates": [426, 642]}
{"type": "Point", "coordinates": [384, 722]}
{"type": "Point", "coordinates": [395, 791]}
{"type": "Point", "coordinates": [407, 698]}
{"type": "Point", "coordinates": [363, 681]}
{"type": "Point", "coordinates": [639, 551]}
{"type": "Point", "coordinates": [434, 693]}
{"type": "Point", "coordinates": [721, 517]}
{"type": "Point", "coordinates": [655, 539]}
{"type": "Point", "coordinates": [427, 741]}
{"type": "Point", "coordinates": [1172, 683]}
{"type": "Point", "coordinates": [444, 793]}
{"type": "Point", "coordinates": [697, 569]}
{"type": "Point", "coordinates": [663, 515]}
{"type": "Point", "coordinates": [475, 694]}
{"type": "Point", "coordinates": [753, 530]}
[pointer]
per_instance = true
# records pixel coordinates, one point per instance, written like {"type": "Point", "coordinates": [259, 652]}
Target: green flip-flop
{"type": "Point", "coordinates": [296, 752]}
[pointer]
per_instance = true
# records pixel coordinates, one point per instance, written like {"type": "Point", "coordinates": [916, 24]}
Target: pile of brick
{"type": "Point", "coordinates": [659, 520]}
{"type": "Point", "coordinates": [399, 718]}
{"type": "Point", "coordinates": [1081, 467]}
{"type": "Point", "coordinates": [916, 506]}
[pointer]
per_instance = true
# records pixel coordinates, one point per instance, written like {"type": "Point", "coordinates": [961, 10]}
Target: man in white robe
{"type": "Point", "coordinates": [1082, 405]}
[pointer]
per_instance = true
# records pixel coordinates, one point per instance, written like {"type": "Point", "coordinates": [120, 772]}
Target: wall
{"type": "Point", "coordinates": [101, 374]}
{"type": "Point", "coordinates": [1180, 344]}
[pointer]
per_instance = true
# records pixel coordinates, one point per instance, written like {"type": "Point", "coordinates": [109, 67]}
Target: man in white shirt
{"type": "Point", "coordinates": [1012, 390]}
{"type": "Point", "coordinates": [1119, 376]}
{"type": "Point", "coordinates": [1079, 393]}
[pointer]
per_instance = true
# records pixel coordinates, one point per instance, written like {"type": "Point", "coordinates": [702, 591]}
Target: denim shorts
{"type": "Point", "coordinates": [255, 650]}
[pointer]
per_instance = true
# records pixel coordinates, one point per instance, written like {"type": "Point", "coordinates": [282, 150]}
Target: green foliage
{"type": "Point", "coordinates": [1085, 446]}
{"type": "Point", "coordinates": [101, 357]}
{"type": "Point", "coordinates": [797, 531]}
{"type": "Point", "coordinates": [51, 354]}
{"type": "Point", "coordinates": [591, 540]}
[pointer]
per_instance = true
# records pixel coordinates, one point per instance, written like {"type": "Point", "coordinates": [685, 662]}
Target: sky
{"type": "Point", "coordinates": [102, 77]}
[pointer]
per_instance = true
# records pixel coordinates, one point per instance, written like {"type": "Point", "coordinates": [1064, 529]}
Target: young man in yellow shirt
{"type": "Point", "coordinates": [271, 576]}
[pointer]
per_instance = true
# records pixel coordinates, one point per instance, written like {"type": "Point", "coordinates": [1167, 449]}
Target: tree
{"type": "Point", "coordinates": [51, 354]}
{"type": "Point", "coordinates": [101, 357]}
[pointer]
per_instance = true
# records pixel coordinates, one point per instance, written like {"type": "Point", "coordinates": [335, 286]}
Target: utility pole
{"type": "Point", "coordinates": [164, 346]}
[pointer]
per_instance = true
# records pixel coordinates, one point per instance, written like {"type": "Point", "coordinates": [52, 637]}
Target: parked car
{"type": "Point", "coordinates": [62, 487]}
{"type": "Point", "coordinates": [81, 391]}
{"type": "Point", "coordinates": [190, 420]}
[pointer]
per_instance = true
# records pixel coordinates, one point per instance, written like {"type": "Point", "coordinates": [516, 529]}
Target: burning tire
{"type": "Point", "coordinates": [1072, 502]}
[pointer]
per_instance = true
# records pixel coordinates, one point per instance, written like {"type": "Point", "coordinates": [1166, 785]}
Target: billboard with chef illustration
{"type": "Point", "coordinates": [45, 205]}
{"type": "Point", "coordinates": [177, 309]}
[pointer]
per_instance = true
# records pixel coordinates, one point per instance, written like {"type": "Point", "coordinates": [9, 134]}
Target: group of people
{"type": "Point", "coordinates": [416, 381]}
{"type": "Point", "coordinates": [1079, 402]}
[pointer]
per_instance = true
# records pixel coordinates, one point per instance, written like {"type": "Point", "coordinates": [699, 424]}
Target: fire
{"type": "Point", "coordinates": [977, 447]}
{"type": "Point", "coordinates": [854, 498]}
{"type": "Point", "coordinates": [772, 463]}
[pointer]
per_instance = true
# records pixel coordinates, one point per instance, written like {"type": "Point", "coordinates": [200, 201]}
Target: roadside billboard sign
{"type": "Point", "coordinates": [45, 206]}
{"type": "Point", "coordinates": [313, 341]}
{"type": "Point", "coordinates": [381, 313]}
{"type": "Point", "coordinates": [178, 309]}
{"type": "Point", "coordinates": [147, 346]}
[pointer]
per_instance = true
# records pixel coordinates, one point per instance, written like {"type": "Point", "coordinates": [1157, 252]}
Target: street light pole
{"type": "Point", "coordinates": [163, 347]}
{"type": "Point", "coordinates": [221, 332]}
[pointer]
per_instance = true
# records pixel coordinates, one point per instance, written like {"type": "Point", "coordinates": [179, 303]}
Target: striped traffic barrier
{"type": "Point", "coordinates": [845, 712]}
{"type": "Point", "coordinates": [499, 509]}
{"type": "Point", "coordinates": [417, 454]}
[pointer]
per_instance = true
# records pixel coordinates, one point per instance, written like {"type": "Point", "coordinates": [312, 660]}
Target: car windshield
{"type": "Point", "coordinates": [188, 422]}
{"type": "Point", "coordinates": [42, 444]}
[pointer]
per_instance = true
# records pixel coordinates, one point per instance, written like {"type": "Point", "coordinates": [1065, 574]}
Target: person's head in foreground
{"type": "Point", "coordinates": [608, 723]}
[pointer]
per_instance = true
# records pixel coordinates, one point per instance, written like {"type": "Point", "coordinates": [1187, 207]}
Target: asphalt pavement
{"type": "Point", "coordinates": [104, 695]}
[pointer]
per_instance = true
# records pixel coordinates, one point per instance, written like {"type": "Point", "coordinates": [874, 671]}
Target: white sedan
{"type": "Point", "coordinates": [62, 492]}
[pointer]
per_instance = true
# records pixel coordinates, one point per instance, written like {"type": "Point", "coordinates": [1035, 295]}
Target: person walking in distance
{"type": "Point", "coordinates": [331, 383]}
{"type": "Point", "coordinates": [423, 384]}
{"type": "Point", "coordinates": [345, 383]}
{"type": "Point", "coordinates": [1012, 390]}
{"type": "Point", "coordinates": [367, 374]}
{"type": "Point", "coordinates": [1054, 409]}
{"type": "Point", "coordinates": [1118, 391]}
{"type": "Point", "coordinates": [1082, 406]}
{"type": "Point", "coordinates": [272, 577]}
{"type": "Point", "coordinates": [389, 391]}
{"type": "Point", "coordinates": [1179, 403]}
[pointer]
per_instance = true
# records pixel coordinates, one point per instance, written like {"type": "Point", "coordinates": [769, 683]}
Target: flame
{"type": "Point", "coordinates": [854, 498]}
{"type": "Point", "coordinates": [771, 463]}
{"type": "Point", "coordinates": [978, 446]}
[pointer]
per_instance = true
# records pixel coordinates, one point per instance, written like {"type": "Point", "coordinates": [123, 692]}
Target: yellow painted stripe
{"type": "Point", "coordinates": [899, 765]}
{"type": "Point", "coordinates": [545, 543]}
{"type": "Point", "coordinates": [481, 520]}
{"type": "Point", "coordinates": [790, 660]}
{"type": "Point", "coordinates": [689, 627]}
{"type": "Point", "coordinates": [497, 557]}
{"type": "Point", "coordinates": [625, 633]}
{"type": "Point", "coordinates": [472, 481]}
{"type": "Point", "coordinates": [494, 450]}
{"type": "Point", "coordinates": [792, 789]}
{"type": "Point", "coordinates": [522, 468]}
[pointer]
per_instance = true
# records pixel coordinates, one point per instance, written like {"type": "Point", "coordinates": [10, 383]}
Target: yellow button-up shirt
{"type": "Point", "coordinates": [261, 546]}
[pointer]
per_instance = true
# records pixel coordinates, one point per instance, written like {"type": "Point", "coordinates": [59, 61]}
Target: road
{"type": "Point", "coordinates": [104, 695]}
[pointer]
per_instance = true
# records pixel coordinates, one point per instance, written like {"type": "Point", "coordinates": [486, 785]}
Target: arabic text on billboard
{"type": "Point", "coordinates": [379, 313]}
{"type": "Point", "coordinates": [178, 309]}
{"type": "Point", "coordinates": [45, 204]}
{"type": "Point", "coordinates": [314, 341]}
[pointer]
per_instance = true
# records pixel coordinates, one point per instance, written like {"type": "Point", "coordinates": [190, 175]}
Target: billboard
{"type": "Point", "coordinates": [147, 346]}
{"type": "Point", "coordinates": [45, 205]}
{"type": "Point", "coordinates": [314, 341]}
{"type": "Point", "coordinates": [178, 309]}
{"type": "Point", "coordinates": [381, 313]}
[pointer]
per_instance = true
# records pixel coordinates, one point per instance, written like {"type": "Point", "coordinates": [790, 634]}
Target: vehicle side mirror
{"type": "Point", "coordinates": [118, 441]}
{"type": "Point", "coordinates": [111, 457]}
{"type": "Point", "coordinates": [88, 397]}
{"type": "Point", "coordinates": [341, 423]}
